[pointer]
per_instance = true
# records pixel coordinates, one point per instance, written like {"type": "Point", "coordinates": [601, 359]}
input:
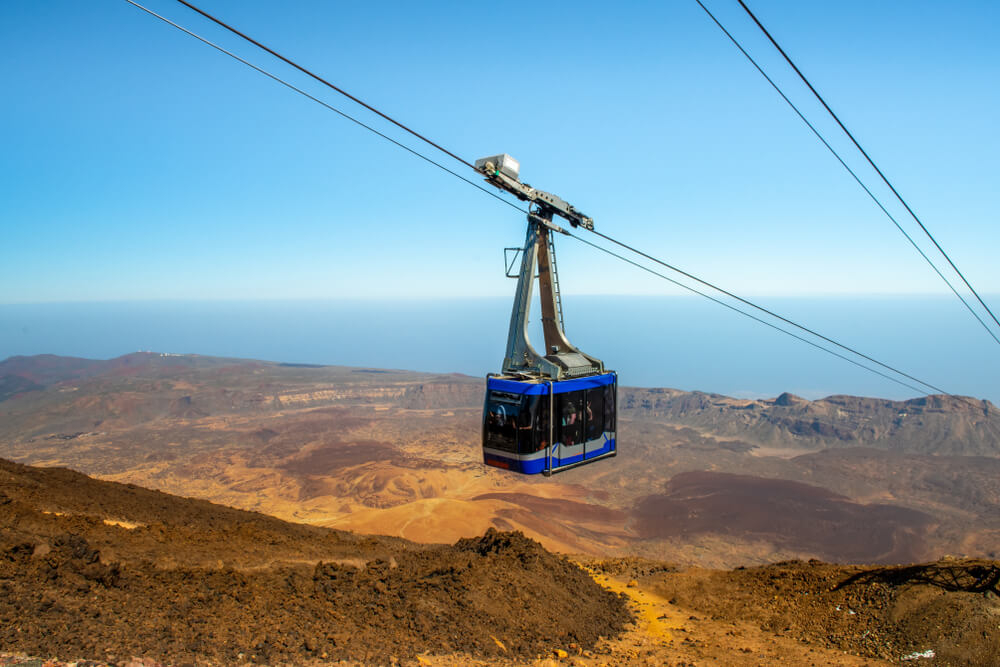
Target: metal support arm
{"type": "Point", "coordinates": [562, 360]}
{"type": "Point", "coordinates": [503, 171]}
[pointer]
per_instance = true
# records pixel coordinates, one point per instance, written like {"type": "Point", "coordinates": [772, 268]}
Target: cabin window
{"type": "Point", "coordinates": [502, 411]}
{"type": "Point", "coordinates": [570, 408]}
{"type": "Point", "coordinates": [533, 424]}
{"type": "Point", "coordinates": [594, 413]}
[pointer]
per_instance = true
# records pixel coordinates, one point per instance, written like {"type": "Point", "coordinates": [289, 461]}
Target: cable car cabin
{"type": "Point", "coordinates": [553, 409]}
{"type": "Point", "coordinates": [519, 434]}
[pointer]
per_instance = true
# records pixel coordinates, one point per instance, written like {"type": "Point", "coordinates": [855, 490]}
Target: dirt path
{"type": "Point", "coordinates": [668, 634]}
{"type": "Point", "coordinates": [665, 634]}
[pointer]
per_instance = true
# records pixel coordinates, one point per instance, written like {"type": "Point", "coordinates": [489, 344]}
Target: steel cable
{"type": "Point", "coordinates": [853, 174]}
{"type": "Point", "coordinates": [750, 315]}
{"type": "Point", "coordinates": [608, 238]}
{"type": "Point", "coordinates": [323, 81]}
{"type": "Point", "coordinates": [767, 312]}
{"type": "Point", "coordinates": [870, 161]}
{"type": "Point", "coordinates": [324, 104]}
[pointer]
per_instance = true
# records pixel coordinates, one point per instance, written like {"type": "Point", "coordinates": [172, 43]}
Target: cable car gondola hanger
{"type": "Point", "coordinates": [544, 413]}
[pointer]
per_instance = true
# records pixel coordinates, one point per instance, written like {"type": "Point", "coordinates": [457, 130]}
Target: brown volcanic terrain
{"type": "Point", "coordinates": [114, 573]}
{"type": "Point", "coordinates": [930, 425]}
{"type": "Point", "coordinates": [788, 514]}
{"type": "Point", "coordinates": [700, 479]}
{"type": "Point", "coordinates": [95, 568]}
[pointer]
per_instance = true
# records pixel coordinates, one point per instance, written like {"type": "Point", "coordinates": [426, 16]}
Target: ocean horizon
{"type": "Point", "coordinates": [652, 341]}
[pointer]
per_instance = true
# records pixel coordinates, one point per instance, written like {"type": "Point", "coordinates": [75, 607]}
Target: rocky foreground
{"type": "Point", "coordinates": [105, 573]}
{"type": "Point", "coordinates": [101, 570]}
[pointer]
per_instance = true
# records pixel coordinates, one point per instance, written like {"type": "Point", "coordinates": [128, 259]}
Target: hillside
{"type": "Point", "coordinates": [95, 568]}
{"type": "Point", "coordinates": [112, 574]}
{"type": "Point", "coordinates": [928, 425]}
{"type": "Point", "coordinates": [700, 479]}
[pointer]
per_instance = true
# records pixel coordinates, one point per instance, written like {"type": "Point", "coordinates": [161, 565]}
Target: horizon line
{"type": "Point", "coordinates": [417, 299]}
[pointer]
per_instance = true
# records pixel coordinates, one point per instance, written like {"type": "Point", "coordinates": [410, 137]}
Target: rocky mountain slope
{"type": "Point", "coordinates": [95, 568]}
{"type": "Point", "coordinates": [699, 479]}
{"type": "Point", "coordinates": [111, 574]}
{"type": "Point", "coordinates": [927, 425]}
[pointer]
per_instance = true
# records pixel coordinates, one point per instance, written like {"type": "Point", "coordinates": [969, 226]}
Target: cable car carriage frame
{"type": "Point", "coordinates": [553, 412]}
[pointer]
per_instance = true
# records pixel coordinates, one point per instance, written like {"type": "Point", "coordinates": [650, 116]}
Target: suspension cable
{"type": "Point", "coordinates": [324, 81]}
{"type": "Point", "coordinates": [324, 104]}
{"type": "Point", "coordinates": [750, 315]}
{"type": "Point", "coordinates": [608, 238]}
{"type": "Point", "coordinates": [877, 170]}
{"type": "Point", "coordinates": [964, 399]}
{"type": "Point", "coordinates": [766, 311]}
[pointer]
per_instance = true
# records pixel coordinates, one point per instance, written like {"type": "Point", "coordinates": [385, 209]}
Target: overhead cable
{"type": "Point", "coordinates": [324, 81]}
{"type": "Point", "coordinates": [608, 238]}
{"type": "Point", "coordinates": [752, 316]}
{"type": "Point", "coordinates": [324, 104]}
{"type": "Point", "coordinates": [853, 174]}
{"type": "Point", "coordinates": [766, 311]}
{"type": "Point", "coordinates": [870, 161]}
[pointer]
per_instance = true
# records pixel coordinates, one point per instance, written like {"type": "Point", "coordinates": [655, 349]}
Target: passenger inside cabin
{"type": "Point", "coordinates": [593, 423]}
{"type": "Point", "coordinates": [572, 420]}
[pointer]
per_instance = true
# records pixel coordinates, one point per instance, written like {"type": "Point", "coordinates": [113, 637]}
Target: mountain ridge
{"type": "Point", "coordinates": [398, 453]}
{"type": "Point", "coordinates": [937, 424]}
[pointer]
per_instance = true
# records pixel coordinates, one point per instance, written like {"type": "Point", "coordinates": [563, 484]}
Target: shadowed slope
{"type": "Point", "coordinates": [90, 567]}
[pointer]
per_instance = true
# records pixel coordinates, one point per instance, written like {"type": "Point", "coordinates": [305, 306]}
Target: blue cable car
{"type": "Point", "coordinates": [519, 433]}
{"type": "Point", "coordinates": [544, 413]}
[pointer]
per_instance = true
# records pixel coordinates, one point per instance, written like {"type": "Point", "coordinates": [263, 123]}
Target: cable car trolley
{"type": "Point", "coordinates": [544, 413]}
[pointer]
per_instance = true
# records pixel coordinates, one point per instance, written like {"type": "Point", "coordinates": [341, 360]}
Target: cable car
{"type": "Point", "coordinates": [552, 412]}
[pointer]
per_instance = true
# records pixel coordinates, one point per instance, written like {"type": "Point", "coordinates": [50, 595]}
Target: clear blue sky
{"type": "Point", "coordinates": [138, 163]}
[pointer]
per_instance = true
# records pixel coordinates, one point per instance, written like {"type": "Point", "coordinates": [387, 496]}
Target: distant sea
{"type": "Point", "coordinates": [679, 342]}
